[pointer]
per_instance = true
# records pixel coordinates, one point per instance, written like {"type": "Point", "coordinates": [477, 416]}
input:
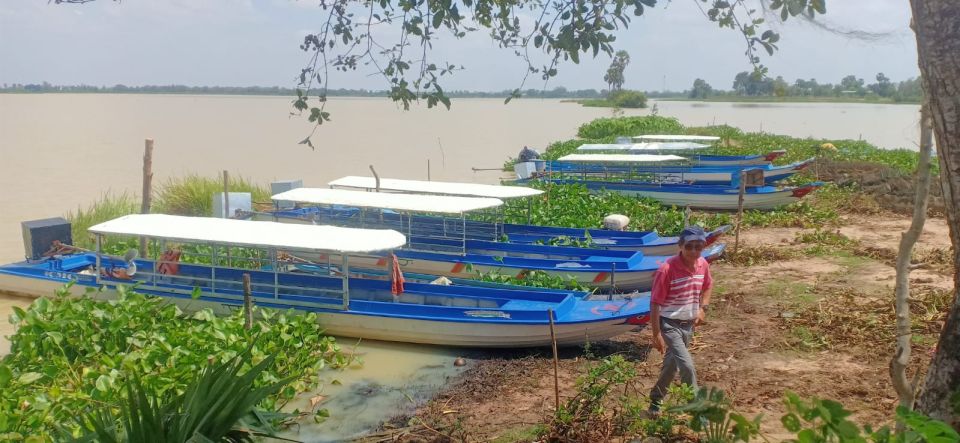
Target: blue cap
{"type": "Point", "coordinates": [693, 233]}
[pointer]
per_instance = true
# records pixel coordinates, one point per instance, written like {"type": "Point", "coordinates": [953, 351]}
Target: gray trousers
{"type": "Point", "coordinates": [676, 336]}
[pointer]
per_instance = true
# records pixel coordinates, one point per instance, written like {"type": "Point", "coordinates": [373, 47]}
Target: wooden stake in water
{"type": "Point", "coordinates": [428, 169]}
{"type": "Point", "coordinates": [556, 364]}
{"type": "Point", "coordinates": [376, 177]}
{"type": "Point", "coordinates": [147, 192]}
{"type": "Point", "coordinates": [743, 190]}
{"type": "Point", "coordinates": [247, 302]}
{"type": "Point", "coordinates": [226, 195]}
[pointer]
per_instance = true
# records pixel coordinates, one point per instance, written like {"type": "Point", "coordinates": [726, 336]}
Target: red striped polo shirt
{"type": "Point", "coordinates": [677, 288]}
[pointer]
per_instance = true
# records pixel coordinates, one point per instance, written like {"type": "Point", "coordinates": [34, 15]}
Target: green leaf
{"type": "Point", "coordinates": [438, 19]}
{"type": "Point", "coordinates": [197, 292]}
{"type": "Point", "coordinates": [790, 422]}
{"type": "Point", "coordinates": [55, 336]}
{"type": "Point", "coordinates": [18, 315]}
{"type": "Point", "coordinates": [820, 6]}
{"type": "Point", "coordinates": [5, 375]}
{"type": "Point", "coordinates": [29, 377]}
{"type": "Point", "coordinates": [103, 383]}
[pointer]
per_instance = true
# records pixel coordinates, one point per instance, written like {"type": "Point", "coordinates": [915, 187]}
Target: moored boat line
{"type": "Point", "coordinates": [357, 307]}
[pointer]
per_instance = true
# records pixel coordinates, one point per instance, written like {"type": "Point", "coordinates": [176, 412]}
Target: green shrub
{"type": "Point", "coordinates": [630, 126]}
{"type": "Point", "coordinates": [108, 207]}
{"type": "Point", "coordinates": [193, 194]}
{"type": "Point", "coordinates": [629, 99]}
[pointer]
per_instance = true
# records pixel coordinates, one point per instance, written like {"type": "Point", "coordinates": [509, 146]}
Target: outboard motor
{"type": "Point", "coordinates": [528, 163]}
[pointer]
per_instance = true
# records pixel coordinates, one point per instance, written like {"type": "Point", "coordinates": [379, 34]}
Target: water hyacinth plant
{"type": "Point", "coordinates": [69, 354]}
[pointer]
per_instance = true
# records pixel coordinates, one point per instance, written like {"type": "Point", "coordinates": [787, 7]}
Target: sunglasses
{"type": "Point", "coordinates": [694, 246]}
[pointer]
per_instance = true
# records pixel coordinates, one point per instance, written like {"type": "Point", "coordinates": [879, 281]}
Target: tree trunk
{"type": "Point", "coordinates": [907, 389]}
{"type": "Point", "coordinates": [937, 25]}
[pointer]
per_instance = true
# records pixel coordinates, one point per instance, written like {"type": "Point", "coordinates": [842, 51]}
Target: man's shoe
{"type": "Point", "coordinates": [654, 409]}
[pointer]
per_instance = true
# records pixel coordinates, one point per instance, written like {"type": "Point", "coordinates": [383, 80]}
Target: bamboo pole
{"type": "Point", "coordinates": [743, 190]}
{"type": "Point", "coordinates": [147, 191]}
{"type": "Point", "coordinates": [556, 364]}
{"type": "Point", "coordinates": [247, 302]}
{"type": "Point", "coordinates": [226, 205]}
{"type": "Point", "coordinates": [376, 178]}
{"type": "Point", "coordinates": [226, 195]}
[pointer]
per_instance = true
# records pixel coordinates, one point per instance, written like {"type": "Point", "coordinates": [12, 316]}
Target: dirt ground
{"type": "Point", "coordinates": [807, 324]}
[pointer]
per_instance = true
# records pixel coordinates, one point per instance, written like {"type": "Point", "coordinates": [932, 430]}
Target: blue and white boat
{"type": "Point", "coordinates": [716, 197]}
{"type": "Point", "coordinates": [691, 150]}
{"type": "Point", "coordinates": [347, 306]}
{"type": "Point", "coordinates": [647, 242]}
{"type": "Point", "coordinates": [626, 168]}
{"type": "Point", "coordinates": [453, 255]}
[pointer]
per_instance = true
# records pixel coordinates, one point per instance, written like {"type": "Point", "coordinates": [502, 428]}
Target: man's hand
{"type": "Point", "coordinates": [658, 343]}
{"type": "Point", "coordinates": [701, 317]}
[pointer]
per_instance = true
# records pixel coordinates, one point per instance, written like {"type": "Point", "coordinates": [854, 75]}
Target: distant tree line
{"type": "Point", "coordinates": [45, 87]}
{"type": "Point", "coordinates": [749, 85]}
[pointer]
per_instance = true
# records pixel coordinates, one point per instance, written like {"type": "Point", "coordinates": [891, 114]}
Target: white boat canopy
{"type": "Point", "coordinates": [635, 147]}
{"type": "Point", "coordinates": [264, 234]}
{"type": "Point", "coordinates": [620, 158]}
{"type": "Point", "coordinates": [676, 138]}
{"type": "Point", "coordinates": [384, 200]}
{"type": "Point", "coordinates": [431, 187]}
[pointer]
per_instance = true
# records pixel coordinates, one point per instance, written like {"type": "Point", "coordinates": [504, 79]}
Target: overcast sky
{"type": "Point", "coordinates": [256, 42]}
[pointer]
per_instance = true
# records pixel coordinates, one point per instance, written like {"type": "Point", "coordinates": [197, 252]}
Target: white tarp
{"type": "Point", "coordinates": [664, 146]}
{"type": "Point", "coordinates": [620, 158]}
{"type": "Point", "coordinates": [677, 138]}
{"type": "Point", "coordinates": [431, 187]}
{"type": "Point", "coordinates": [264, 234]}
{"type": "Point", "coordinates": [384, 200]}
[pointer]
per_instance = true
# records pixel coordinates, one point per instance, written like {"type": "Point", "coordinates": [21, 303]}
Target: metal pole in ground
{"type": "Point", "coordinates": [743, 189]}
{"type": "Point", "coordinates": [226, 205]}
{"type": "Point", "coordinates": [247, 302]}
{"type": "Point", "coordinates": [146, 192]}
{"type": "Point", "coordinates": [556, 364]}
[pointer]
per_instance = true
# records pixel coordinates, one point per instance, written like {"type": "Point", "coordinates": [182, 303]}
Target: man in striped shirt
{"type": "Point", "coordinates": [681, 292]}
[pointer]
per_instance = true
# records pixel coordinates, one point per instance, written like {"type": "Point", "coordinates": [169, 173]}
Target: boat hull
{"type": "Point", "coordinates": [716, 198]}
{"type": "Point", "coordinates": [701, 174]}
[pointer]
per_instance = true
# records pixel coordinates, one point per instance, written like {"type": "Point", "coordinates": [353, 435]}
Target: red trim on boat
{"type": "Point", "coordinates": [601, 276]}
{"type": "Point", "coordinates": [800, 192]}
{"type": "Point", "coordinates": [771, 156]}
{"type": "Point", "coordinates": [457, 268]}
{"type": "Point", "coordinates": [639, 320]}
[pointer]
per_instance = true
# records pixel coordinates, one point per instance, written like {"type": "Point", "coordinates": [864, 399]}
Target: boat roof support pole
{"type": "Point", "coordinates": [275, 264]}
{"type": "Point", "coordinates": [463, 226]}
{"type": "Point", "coordinates": [99, 253]}
{"type": "Point", "coordinates": [345, 268]}
{"type": "Point", "coordinates": [213, 269]}
{"type": "Point", "coordinates": [529, 212]}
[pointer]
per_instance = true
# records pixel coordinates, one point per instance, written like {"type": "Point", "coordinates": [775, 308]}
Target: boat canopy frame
{"type": "Point", "coordinates": [216, 233]}
{"type": "Point", "coordinates": [404, 204]}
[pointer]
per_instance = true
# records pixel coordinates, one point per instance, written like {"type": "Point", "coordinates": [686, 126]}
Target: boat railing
{"type": "Point", "coordinates": [222, 277]}
{"type": "Point", "coordinates": [227, 282]}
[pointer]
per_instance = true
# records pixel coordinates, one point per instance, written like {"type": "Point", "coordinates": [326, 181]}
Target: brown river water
{"type": "Point", "coordinates": [59, 152]}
